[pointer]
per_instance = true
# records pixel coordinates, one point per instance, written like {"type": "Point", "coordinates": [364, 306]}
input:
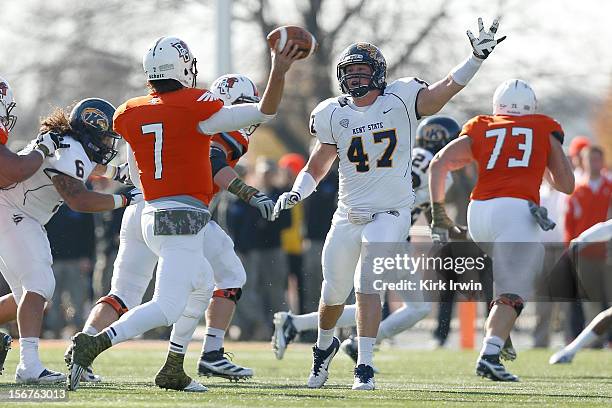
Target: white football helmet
{"type": "Point", "coordinates": [514, 97]}
{"type": "Point", "coordinates": [7, 103]}
{"type": "Point", "coordinates": [235, 88]}
{"type": "Point", "coordinates": [170, 58]}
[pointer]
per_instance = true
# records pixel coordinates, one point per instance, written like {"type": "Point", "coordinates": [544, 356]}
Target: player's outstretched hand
{"type": "Point", "coordinates": [282, 60]}
{"type": "Point", "coordinates": [264, 204]}
{"type": "Point", "coordinates": [122, 174]}
{"type": "Point", "coordinates": [486, 42]}
{"type": "Point", "coordinates": [285, 201]}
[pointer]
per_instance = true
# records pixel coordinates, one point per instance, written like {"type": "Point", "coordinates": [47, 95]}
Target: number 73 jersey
{"type": "Point", "coordinates": [374, 146]}
{"type": "Point", "coordinates": [512, 154]}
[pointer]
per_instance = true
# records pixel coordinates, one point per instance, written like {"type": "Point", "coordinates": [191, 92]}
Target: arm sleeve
{"type": "Point", "coordinates": [218, 160]}
{"type": "Point", "coordinates": [233, 117]}
{"type": "Point", "coordinates": [320, 123]}
{"type": "Point", "coordinates": [134, 171]}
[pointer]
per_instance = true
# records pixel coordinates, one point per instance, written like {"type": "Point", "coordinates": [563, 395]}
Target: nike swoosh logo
{"type": "Point", "coordinates": [387, 111]}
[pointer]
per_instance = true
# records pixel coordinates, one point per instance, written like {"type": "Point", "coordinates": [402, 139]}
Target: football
{"type": "Point", "coordinates": [302, 37]}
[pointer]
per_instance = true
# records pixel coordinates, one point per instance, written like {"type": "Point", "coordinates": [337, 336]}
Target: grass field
{"type": "Point", "coordinates": [407, 378]}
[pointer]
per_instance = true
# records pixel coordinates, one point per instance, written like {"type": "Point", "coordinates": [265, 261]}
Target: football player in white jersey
{"type": "Point", "coordinates": [370, 129]}
{"type": "Point", "coordinates": [25, 207]}
{"type": "Point", "coordinates": [432, 135]}
{"type": "Point", "coordinates": [135, 263]}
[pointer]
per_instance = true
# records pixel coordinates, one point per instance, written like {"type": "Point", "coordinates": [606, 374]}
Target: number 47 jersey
{"type": "Point", "coordinates": [512, 154]}
{"type": "Point", "coordinates": [374, 146]}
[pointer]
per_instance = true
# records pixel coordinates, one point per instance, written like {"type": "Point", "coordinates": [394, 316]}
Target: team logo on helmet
{"type": "Point", "coordinates": [435, 132]}
{"type": "Point", "coordinates": [369, 48]}
{"type": "Point", "coordinates": [226, 84]}
{"type": "Point", "coordinates": [3, 88]}
{"type": "Point", "coordinates": [95, 118]}
{"type": "Point", "coordinates": [183, 50]}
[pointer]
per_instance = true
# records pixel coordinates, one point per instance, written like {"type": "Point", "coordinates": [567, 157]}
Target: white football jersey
{"type": "Point", "coordinates": [421, 158]}
{"type": "Point", "coordinates": [36, 196]}
{"type": "Point", "coordinates": [374, 146]}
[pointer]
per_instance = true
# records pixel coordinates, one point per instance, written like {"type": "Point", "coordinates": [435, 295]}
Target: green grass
{"type": "Point", "coordinates": [407, 378]}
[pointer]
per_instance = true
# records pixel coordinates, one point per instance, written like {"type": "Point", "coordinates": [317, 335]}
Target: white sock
{"type": "Point", "coordinates": [213, 340]}
{"type": "Point", "coordinates": [400, 320]}
{"type": "Point", "coordinates": [135, 322]}
{"type": "Point", "coordinates": [491, 345]}
{"type": "Point", "coordinates": [182, 333]}
{"type": "Point", "coordinates": [584, 339]}
{"type": "Point", "coordinates": [325, 338]}
{"type": "Point", "coordinates": [365, 348]}
{"type": "Point", "coordinates": [28, 355]}
{"type": "Point", "coordinates": [90, 330]}
{"type": "Point", "coordinates": [308, 321]}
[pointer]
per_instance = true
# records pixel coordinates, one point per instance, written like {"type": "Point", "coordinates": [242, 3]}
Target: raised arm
{"type": "Point", "coordinates": [431, 99]}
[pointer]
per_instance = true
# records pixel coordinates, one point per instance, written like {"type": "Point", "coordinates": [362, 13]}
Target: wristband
{"type": "Point", "coordinates": [466, 70]}
{"type": "Point", "coordinates": [120, 201]}
{"type": "Point", "coordinates": [242, 190]}
{"type": "Point", "coordinates": [304, 184]}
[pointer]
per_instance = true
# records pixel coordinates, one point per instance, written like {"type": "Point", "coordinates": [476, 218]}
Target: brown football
{"type": "Point", "coordinates": [300, 36]}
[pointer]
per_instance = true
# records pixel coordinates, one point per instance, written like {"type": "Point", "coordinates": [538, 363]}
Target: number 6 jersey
{"type": "Point", "coordinates": [37, 196]}
{"type": "Point", "coordinates": [512, 154]}
{"type": "Point", "coordinates": [374, 145]}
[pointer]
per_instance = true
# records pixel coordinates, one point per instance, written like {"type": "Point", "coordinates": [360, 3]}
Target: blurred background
{"type": "Point", "coordinates": [56, 53]}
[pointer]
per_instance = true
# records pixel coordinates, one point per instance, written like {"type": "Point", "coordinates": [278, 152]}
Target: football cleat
{"type": "Point", "coordinates": [561, 357]}
{"type": "Point", "coordinates": [284, 333]}
{"type": "Point", "coordinates": [320, 364]}
{"type": "Point", "coordinates": [490, 367]}
{"type": "Point", "coordinates": [218, 363]}
{"type": "Point", "coordinates": [5, 346]}
{"type": "Point", "coordinates": [508, 352]}
{"type": "Point", "coordinates": [172, 377]}
{"type": "Point", "coordinates": [88, 374]}
{"type": "Point", "coordinates": [45, 377]}
{"type": "Point", "coordinates": [85, 349]}
{"type": "Point", "coordinates": [364, 378]}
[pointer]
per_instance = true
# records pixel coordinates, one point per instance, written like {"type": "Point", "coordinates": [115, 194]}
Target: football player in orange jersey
{"type": "Point", "coordinates": [514, 149]}
{"type": "Point", "coordinates": [13, 167]}
{"type": "Point", "coordinates": [169, 131]}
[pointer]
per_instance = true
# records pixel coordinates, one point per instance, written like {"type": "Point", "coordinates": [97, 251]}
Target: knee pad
{"type": "Point", "coordinates": [115, 302]}
{"type": "Point", "coordinates": [331, 296]}
{"type": "Point", "coordinates": [232, 294]}
{"type": "Point", "coordinates": [510, 299]}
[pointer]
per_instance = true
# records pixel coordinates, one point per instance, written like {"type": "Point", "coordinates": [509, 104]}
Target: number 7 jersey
{"type": "Point", "coordinates": [374, 146]}
{"type": "Point", "coordinates": [512, 154]}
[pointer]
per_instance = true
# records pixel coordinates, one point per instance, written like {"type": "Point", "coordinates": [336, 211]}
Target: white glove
{"type": "Point", "coordinates": [485, 43]}
{"type": "Point", "coordinates": [264, 204]}
{"type": "Point", "coordinates": [121, 174]}
{"type": "Point", "coordinates": [49, 142]}
{"type": "Point", "coordinates": [133, 196]}
{"type": "Point", "coordinates": [285, 201]}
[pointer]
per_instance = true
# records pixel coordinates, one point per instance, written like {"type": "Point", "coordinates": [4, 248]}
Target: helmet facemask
{"type": "Point", "coordinates": [358, 91]}
{"type": "Point", "coordinates": [362, 53]}
{"type": "Point", "coordinates": [7, 119]}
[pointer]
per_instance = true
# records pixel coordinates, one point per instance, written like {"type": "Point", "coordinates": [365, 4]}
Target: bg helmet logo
{"type": "Point", "coordinates": [95, 118]}
{"type": "Point", "coordinates": [3, 89]}
{"type": "Point", "coordinates": [435, 132]}
{"type": "Point", "coordinates": [183, 50]}
{"type": "Point", "coordinates": [226, 84]}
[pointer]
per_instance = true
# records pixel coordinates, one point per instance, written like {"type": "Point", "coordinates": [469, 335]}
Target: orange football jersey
{"type": "Point", "coordinates": [512, 154]}
{"type": "Point", "coordinates": [235, 145]}
{"type": "Point", "coordinates": [171, 154]}
{"type": "Point", "coordinates": [3, 134]}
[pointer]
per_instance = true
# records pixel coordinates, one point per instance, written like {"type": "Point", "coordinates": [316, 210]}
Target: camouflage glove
{"type": "Point", "coordinates": [443, 228]}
